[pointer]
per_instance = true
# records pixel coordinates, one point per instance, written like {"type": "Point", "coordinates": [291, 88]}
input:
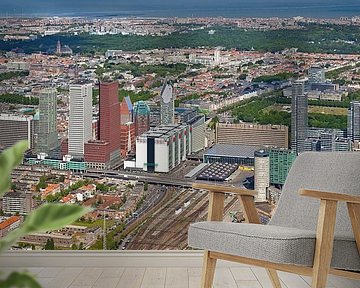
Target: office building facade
{"type": "Point", "coordinates": [167, 105]}
{"type": "Point", "coordinates": [141, 117]}
{"type": "Point", "coordinates": [104, 153]}
{"type": "Point", "coordinates": [80, 119]}
{"type": "Point", "coordinates": [353, 129]}
{"type": "Point", "coordinates": [281, 161]}
{"type": "Point", "coordinates": [299, 117]}
{"type": "Point", "coordinates": [127, 127]}
{"type": "Point", "coordinates": [47, 128]}
{"type": "Point", "coordinates": [252, 134]}
{"type": "Point", "coordinates": [163, 148]}
{"type": "Point", "coordinates": [14, 128]}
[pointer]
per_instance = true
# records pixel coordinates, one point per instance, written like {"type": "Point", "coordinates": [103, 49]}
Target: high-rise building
{"type": "Point", "coordinates": [299, 117]}
{"type": "Point", "coordinates": [252, 134]}
{"type": "Point", "coordinates": [353, 129]}
{"type": "Point", "coordinates": [47, 131]}
{"type": "Point", "coordinates": [280, 163]}
{"type": "Point", "coordinates": [109, 115]}
{"type": "Point", "coordinates": [80, 120]}
{"type": "Point", "coordinates": [127, 127]}
{"type": "Point", "coordinates": [14, 128]}
{"type": "Point", "coordinates": [141, 117]}
{"type": "Point", "coordinates": [262, 174]}
{"type": "Point", "coordinates": [105, 152]}
{"type": "Point", "coordinates": [316, 74]}
{"type": "Point", "coordinates": [167, 104]}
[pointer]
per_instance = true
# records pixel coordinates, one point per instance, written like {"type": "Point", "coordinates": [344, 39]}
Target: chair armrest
{"type": "Point", "coordinates": [217, 197]}
{"type": "Point", "coordinates": [330, 196]}
{"type": "Point", "coordinates": [224, 189]}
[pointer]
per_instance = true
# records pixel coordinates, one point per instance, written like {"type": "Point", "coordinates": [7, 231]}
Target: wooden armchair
{"type": "Point", "coordinates": [305, 236]}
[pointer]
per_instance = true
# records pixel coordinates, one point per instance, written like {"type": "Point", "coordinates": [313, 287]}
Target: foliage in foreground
{"type": "Point", "coordinates": [47, 217]}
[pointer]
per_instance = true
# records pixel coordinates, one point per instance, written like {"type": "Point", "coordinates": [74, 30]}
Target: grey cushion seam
{"type": "Point", "coordinates": [239, 234]}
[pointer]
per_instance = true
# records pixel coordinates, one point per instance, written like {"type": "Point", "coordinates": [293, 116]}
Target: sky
{"type": "Point", "coordinates": [251, 7]}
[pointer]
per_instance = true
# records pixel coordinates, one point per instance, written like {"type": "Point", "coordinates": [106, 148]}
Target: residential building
{"type": "Point", "coordinates": [80, 119]}
{"type": "Point", "coordinates": [163, 148]}
{"type": "Point", "coordinates": [47, 132]}
{"type": "Point", "coordinates": [18, 202]}
{"type": "Point", "coordinates": [14, 128]}
{"type": "Point", "coordinates": [353, 126]}
{"type": "Point", "coordinates": [252, 134]}
{"type": "Point", "coordinates": [167, 105]}
{"type": "Point", "coordinates": [299, 117]}
{"type": "Point", "coordinates": [141, 117]}
{"type": "Point", "coordinates": [7, 224]}
{"type": "Point", "coordinates": [262, 174]}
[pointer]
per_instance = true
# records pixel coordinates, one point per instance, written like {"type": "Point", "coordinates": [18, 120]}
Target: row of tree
{"type": "Point", "coordinates": [18, 99]}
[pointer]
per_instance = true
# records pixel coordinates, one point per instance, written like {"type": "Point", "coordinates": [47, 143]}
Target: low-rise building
{"type": "Point", "coordinates": [7, 224]}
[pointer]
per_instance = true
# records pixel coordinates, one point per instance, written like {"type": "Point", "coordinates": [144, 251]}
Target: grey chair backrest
{"type": "Point", "coordinates": [325, 171]}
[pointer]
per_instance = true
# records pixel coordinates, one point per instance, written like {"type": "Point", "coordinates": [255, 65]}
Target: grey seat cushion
{"type": "Point", "coordinates": [270, 243]}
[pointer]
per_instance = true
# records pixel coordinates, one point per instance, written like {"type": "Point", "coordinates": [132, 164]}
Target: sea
{"type": "Point", "coordinates": [180, 8]}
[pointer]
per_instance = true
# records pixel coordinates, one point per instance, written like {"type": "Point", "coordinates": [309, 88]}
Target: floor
{"type": "Point", "coordinates": [171, 277]}
{"type": "Point", "coordinates": [145, 270]}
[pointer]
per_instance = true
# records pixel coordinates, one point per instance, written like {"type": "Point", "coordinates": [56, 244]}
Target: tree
{"type": "Point", "coordinates": [33, 247]}
{"type": "Point", "coordinates": [74, 247]}
{"type": "Point", "coordinates": [49, 244]}
{"type": "Point", "coordinates": [81, 246]}
{"type": "Point", "coordinates": [146, 186]}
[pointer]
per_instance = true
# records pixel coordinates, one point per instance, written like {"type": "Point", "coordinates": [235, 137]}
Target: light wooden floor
{"type": "Point", "coordinates": [171, 277]}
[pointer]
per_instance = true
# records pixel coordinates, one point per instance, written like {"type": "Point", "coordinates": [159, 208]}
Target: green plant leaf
{"type": "Point", "coordinates": [53, 216]}
{"type": "Point", "coordinates": [20, 280]}
{"type": "Point", "coordinates": [46, 218]}
{"type": "Point", "coordinates": [9, 159]}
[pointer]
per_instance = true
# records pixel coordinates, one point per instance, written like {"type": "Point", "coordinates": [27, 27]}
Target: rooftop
{"type": "Point", "coordinates": [143, 269]}
{"type": "Point", "coordinates": [230, 150]}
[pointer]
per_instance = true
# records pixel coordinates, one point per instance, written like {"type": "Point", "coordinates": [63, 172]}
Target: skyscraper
{"type": "Point", "coordinates": [80, 120]}
{"type": "Point", "coordinates": [110, 117]}
{"type": "Point", "coordinates": [141, 117]}
{"type": "Point", "coordinates": [47, 133]}
{"type": "Point", "coordinates": [167, 104]}
{"type": "Point", "coordinates": [353, 129]}
{"type": "Point", "coordinates": [299, 117]}
{"type": "Point", "coordinates": [127, 127]}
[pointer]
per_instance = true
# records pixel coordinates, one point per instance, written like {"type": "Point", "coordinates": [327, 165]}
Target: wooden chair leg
{"type": "Point", "coordinates": [208, 271]}
{"type": "Point", "coordinates": [274, 278]}
{"type": "Point", "coordinates": [324, 243]}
